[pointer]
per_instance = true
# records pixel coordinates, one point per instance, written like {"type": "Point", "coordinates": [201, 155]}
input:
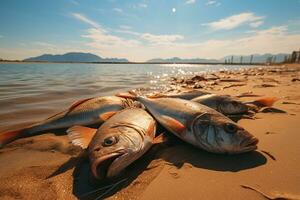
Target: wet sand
{"type": "Point", "coordinates": [47, 167]}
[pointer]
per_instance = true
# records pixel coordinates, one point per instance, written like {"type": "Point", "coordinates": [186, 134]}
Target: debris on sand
{"type": "Point", "coordinates": [270, 132]}
{"type": "Point", "coordinates": [234, 85]}
{"type": "Point", "coordinates": [295, 79]}
{"type": "Point", "coordinates": [269, 154]}
{"type": "Point", "coordinates": [288, 102]}
{"type": "Point", "coordinates": [264, 85]}
{"type": "Point", "coordinates": [274, 195]}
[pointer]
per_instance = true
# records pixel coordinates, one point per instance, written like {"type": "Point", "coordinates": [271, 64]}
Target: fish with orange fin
{"type": "Point", "coordinates": [199, 125]}
{"type": "Point", "coordinates": [84, 112]}
{"type": "Point", "coordinates": [228, 105]}
{"type": "Point", "coordinates": [118, 142]}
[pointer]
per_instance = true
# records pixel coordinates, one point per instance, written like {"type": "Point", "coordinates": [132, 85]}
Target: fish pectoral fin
{"type": "Point", "coordinates": [160, 139]}
{"type": "Point", "coordinates": [105, 116]}
{"type": "Point", "coordinates": [174, 124]}
{"type": "Point", "coordinates": [81, 136]}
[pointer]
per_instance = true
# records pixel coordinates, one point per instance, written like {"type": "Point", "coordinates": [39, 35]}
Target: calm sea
{"type": "Point", "coordinates": [31, 92]}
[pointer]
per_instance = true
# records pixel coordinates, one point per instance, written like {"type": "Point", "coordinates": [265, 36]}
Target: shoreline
{"type": "Point", "coordinates": [189, 63]}
{"type": "Point", "coordinates": [43, 166]}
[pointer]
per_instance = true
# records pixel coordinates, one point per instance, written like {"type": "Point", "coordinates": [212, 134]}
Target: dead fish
{"type": "Point", "coordinates": [118, 142]}
{"type": "Point", "coordinates": [188, 95]}
{"type": "Point", "coordinates": [224, 104]}
{"type": "Point", "coordinates": [200, 125]}
{"type": "Point", "coordinates": [228, 105]}
{"type": "Point", "coordinates": [84, 112]}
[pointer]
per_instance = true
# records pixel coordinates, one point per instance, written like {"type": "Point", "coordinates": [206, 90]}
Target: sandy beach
{"type": "Point", "coordinates": [47, 166]}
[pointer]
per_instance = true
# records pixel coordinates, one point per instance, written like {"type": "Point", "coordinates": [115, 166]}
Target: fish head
{"type": "Point", "coordinates": [114, 149]}
{"type": "Point", "coordinates": [232, 106]}
{"type": "Point", "coordinates": [218, 134]}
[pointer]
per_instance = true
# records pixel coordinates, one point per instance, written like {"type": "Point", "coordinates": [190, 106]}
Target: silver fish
{"type": "Point", "coordinates": [229, 105]}
{"type": "Point", "coordinates": [200, 125]}
{"type": "Point", "coordinates": [224, 104]}
{"type": "Point", "coordinates": [84, 112]}
{"type": "Point", "coordinates": [117, 143]}
{"type": "Point", "coordinates": [186, 94]}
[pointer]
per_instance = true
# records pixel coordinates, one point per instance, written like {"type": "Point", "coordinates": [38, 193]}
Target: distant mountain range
{"type": "Point", "coordinates": [74, 57]}
{"type": "Point", "coordinates": [88, 57]}
{"type": "Point", "coordinates": [181, 60]}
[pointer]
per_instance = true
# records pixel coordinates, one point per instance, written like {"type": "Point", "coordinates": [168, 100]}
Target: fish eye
{"type": "Point", "coordinates": [230, 128]}
{"type": "Point", "coordinates": [110, 141]}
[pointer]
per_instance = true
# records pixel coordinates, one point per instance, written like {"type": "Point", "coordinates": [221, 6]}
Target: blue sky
{"type": "Point", "coordinates": [143, 29]}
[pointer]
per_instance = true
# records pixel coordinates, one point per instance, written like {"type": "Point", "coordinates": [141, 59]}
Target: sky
{"type": "Point", "coordinates": [140, 30]}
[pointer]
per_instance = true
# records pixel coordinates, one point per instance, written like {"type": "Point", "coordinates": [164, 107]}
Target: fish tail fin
{"type": "Point", "coordinates": [264, 102]}
{"type": "Point", "coordinates": [10, 136]}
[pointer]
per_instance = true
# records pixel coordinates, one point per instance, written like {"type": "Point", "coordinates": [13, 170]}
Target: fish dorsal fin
{"type": "Point", "coordinates": [174, 124]}
{"type": "Point", "coordinates": [159, 139]}
{"type": "Point", "coordinates": [81, 136]}
{"type": "Point", "coordinates": [105, 116]}
{"type": "Point", "coordinates": [77, 103]}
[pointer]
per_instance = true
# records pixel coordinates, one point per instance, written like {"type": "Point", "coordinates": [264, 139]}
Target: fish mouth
{"type": "Point", "coordinates": [249, 144]}
{"type": "Point", "coordinates": [100, 167]}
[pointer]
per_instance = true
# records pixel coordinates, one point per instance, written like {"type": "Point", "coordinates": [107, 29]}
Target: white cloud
{"type": "Point", "coordinates": [235, 21]}
{"type": "Point", "coordinates": [256, 24]}
{"type": "Point", "coordinates": [212, 2]}
{"type": "Point", "coordinates": [146, 45]}
{"type": "Point", "coordinates": [119, 10]}
{"type": "Point", "coordinates": [126, 31]}
{"type": "Point", "coordinates": [103, 38]}
{"type": "Point", "coordinates": [140, 5]}
{"type": "Point", "coordinates": [190, 1]}
{"type": "Point", "coordinates": [84, 19]}
{"type": "Point", "coordinates": [161, 39]}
